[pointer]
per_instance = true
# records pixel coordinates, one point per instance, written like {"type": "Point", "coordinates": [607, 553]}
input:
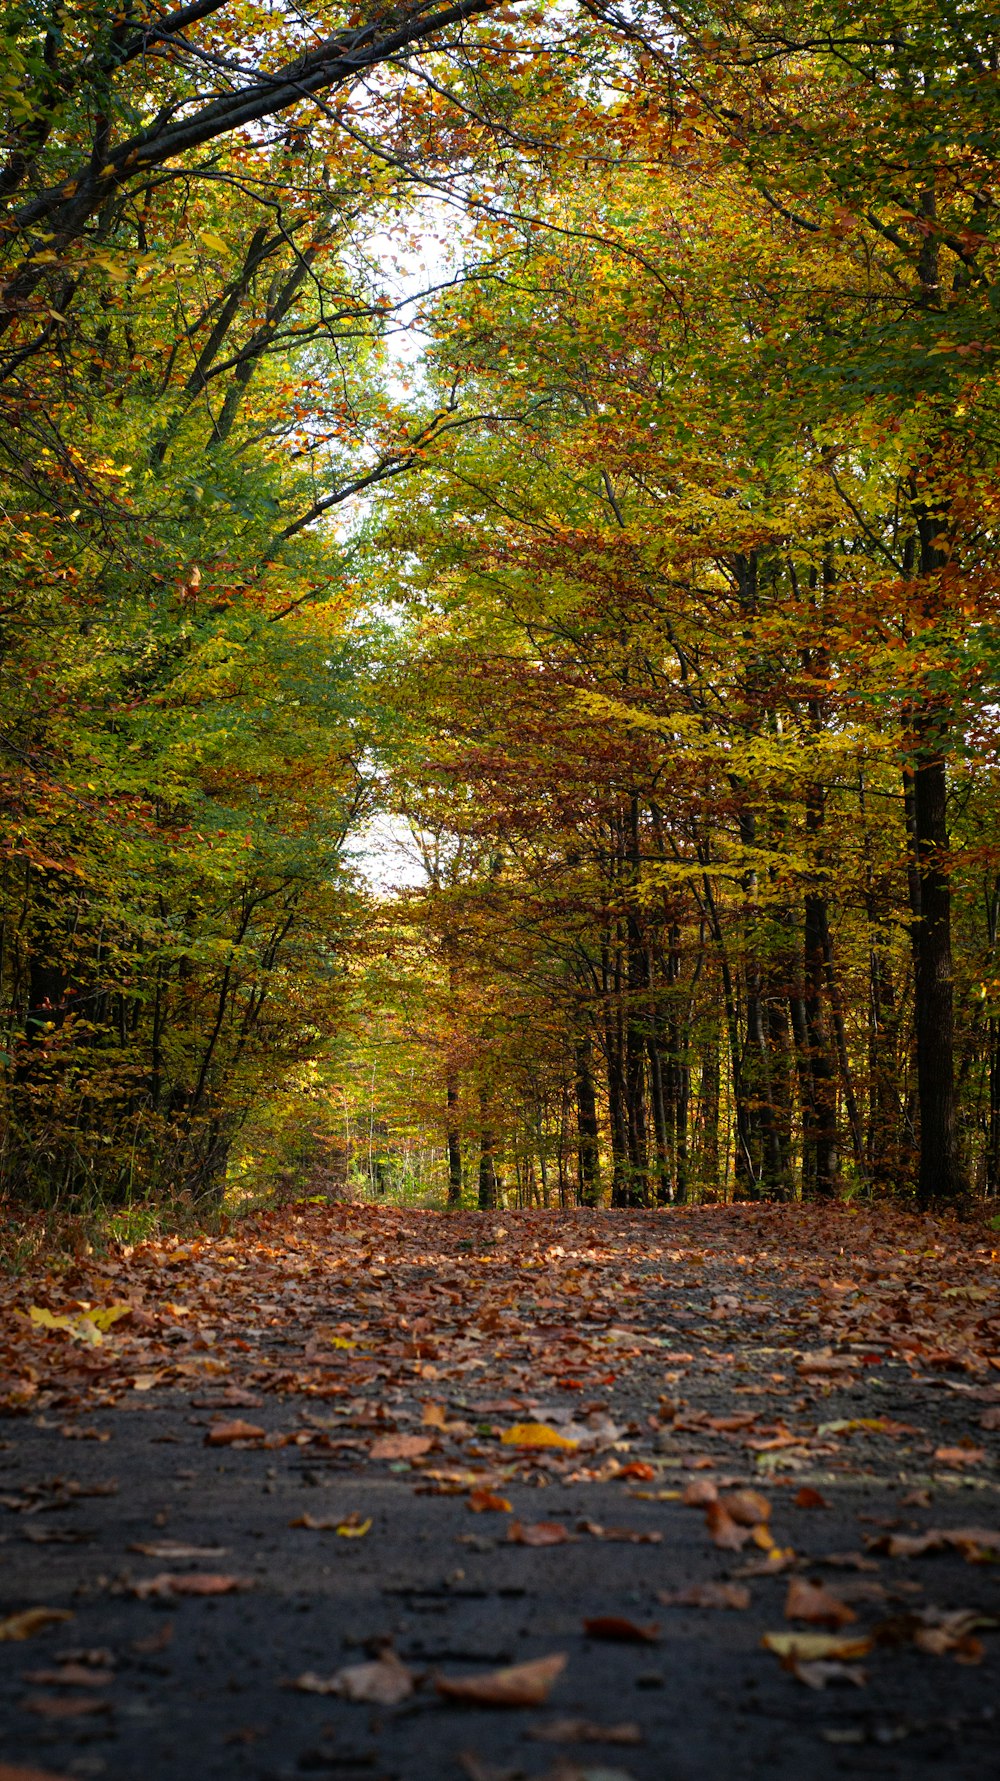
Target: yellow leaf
{"type": "Point", "coordinates": [212, 240]}
{"type": "Point", "coordinates": [107, 1315]}
{"type": "Point", "coordinates": [83, 1326]}
{"type": "Point", "coordinates": [536, 1434]}
{"type": "Point", "coordinates": [815, 1647]}
{"type": "Point", "coordinates": [341, 1342]}
{"type": "Point", "coordinates": [353, 1530]}
{"type": "Point", "coordinates": [31, 1621]}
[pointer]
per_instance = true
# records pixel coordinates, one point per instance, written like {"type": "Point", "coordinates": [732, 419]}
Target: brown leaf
{"type": "Point", "coordinates": [223, 1434]}
{"type": "Point", "coordinates": [706, 1595]}
{"type": "Point", "coordinates": [384, 1682]}
{"type": "Point", "coordinates": [814, 1603]}
{"type": "Point", "coordinates": [823, 1672]}
{"type": "Point", "coordinates": [29, 1621]}
{"type": "Point", "coordinates": [808, 1498]}
{"type": "Point", "coordinates": [746, 1507]}
{"type": "Point", "coordinates": [699, 1493]}
{"type": "Point", "coordinates": [621, 1630]}
{"type": "Point", "coordinates": [401, 1446]}
{"type": "Point", "coordinates": [725, 1532]}
{"type": "Point", "coordinates": [976, 1543]}
{"type": "Point", "coordinates": [70, 1675]}
{"type": "Point", "coordinates": [959, 1456]}
{"type": "Point", "coordinates": [990, 1419]}
{"type": "Point", "coordinates": [627, 1536]}
{"type": "Point", "coordinates": [175, 1549]}
{"type": "Point", "coordinates": [585, 1731]}
{"type": "Point", "coordinates": [538, 1533]}
{"type": "Point", "coordinates": [170, 1583]}
{"type": "Point", "coordinates": [521, 1685]}
{"type": "Point", "coordinates": [483, 1502]}
{"type": "Point", "coordinates": [64, 1706]}
{"type": "Point", "coordinates": [19, 1771]}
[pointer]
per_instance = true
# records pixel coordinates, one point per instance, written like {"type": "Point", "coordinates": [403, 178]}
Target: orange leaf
{"type": "Point", "coordinates": [538, 1533]}
{"type": "Point", "coordinates": [223, 1434]}
{"type": "Point", "coordinates": [816, 1604]}
{"type": "Point", "coordinates": [522, 1685]}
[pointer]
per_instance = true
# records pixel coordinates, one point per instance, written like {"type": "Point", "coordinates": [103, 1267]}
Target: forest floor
{"type": "Point", "coordinates": [715, 1490]}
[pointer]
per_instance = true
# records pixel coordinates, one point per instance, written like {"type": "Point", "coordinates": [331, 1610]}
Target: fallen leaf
{"type": "Point", "coordinates": [434, 1416]}
{"type": "Point", "coordinates": [586, 1731]}
{"type": "Point", "coordinates": [808, 1498]}
{"type": "Point", "coordinates": [617, 1628]}
{"type": "Point", "coordinates": [976, 1543]}
{"type": "Point", "coordinates": [538, 1533]}
{"type": "Point", "coordinates": [536, 1434]}
{"type": "Point", "coordinates": [482, 1502]}
{"type": "Point", "coordinates": [175, 1549]}
{"type": "Point", "coordinates": [70, 1675]}
{"type": "Point", "coordinates": [521, 1685]}
{"type": "Point", "coordinates": [821, 1673]}
{"type": "Point", "coordinates": [401, 1446]}
{"type": "Point", "coordinates": [169, 1583]}
{"type": "Point", "coordinates": [627, 1536]}
{"type": "Point", "coordinates": [746, 1507]}
{"type": "Point", "coordinates": [990, 1419]}
{"type": "Point", "coordinates": [725, 1532]}
{"type": "Point", "coordinates": [384, 1682]}
{"type": "Point", "coordinates": [223, 1434]}
{"type": "Point", "coordinates": [64, 1706]}
{"type": "Point", "coordinates": [706, 1595]}
{"type": "Point", "coordinates": [814, 1603]}
{"type": "Point", "coordinates": [83, 1326]}
{"type": "Point", "coordinates": [959, 1456]}
{"type": "Point", "coordinates": [29, 1621]}
{"type": "Point", "coordinates": [18, 1771]}
{"type": "Point", "coordinates": [699, 1493]}
{"type": "Point", "coordinates": [816, 1647]}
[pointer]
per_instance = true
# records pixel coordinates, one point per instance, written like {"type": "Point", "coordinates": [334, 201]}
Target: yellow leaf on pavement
{"type": "Point", "coordinates": [536, 1434]}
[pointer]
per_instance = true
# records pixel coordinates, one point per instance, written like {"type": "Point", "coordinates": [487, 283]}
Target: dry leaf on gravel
{"type": "Point", "coordinates": [64, 1706]}
{"type": "Point", "coordinates": [483, 1502]}
{"type": "Point", "coordinates": [538, 1533]}
{"type": "Point", "coordinates": [170, 1583]}
{"type": "Point", "coordinates": [401, 1446]}
{"type": "Point", "coordinates": [29, 1621]}
{"type": "Point", "coordinates": [746, 1507]}
{"type": "Point", "coordinates": [625, 1536]}
{"type": "Point", "coordinates": [990, 1419]}
{"type": "Point", "coordinates": [814, 1603]}
{"type": "Point", "coordinates": [816, 1647]}
{"type": "Point", "coordinates": [959, 1456]}
{"type": "Point", "coordinates": [520, 1685]}
{"type": "Point", "coordinates": [977, 1543]}
{"type": "Point", "coordinates": [70, 1675]}
{"type": "Point", "coordinates": [384, 1682]}
{"type": "Point", "coordinates": [536, 1434]}
{"type": "Point", "coordinates": [700, 1493]}
{"type": "Point", "coordinates": [706, 1595]}
{"type": "Point", "coordinates": [621, 1630]}
{"type": "Point", "coordinates": [725, 1532]}
{"type": "Point", "coordinates": [585, 1731]}
{"type": "Point", "coordinates": [821, 1674]}
{"type": "Point", "coordinates": [223, 1434]}
{"type": "Point", "coordinates": [18, 1771]}
{"type": "Point", "coordinates": [175, 1549]}
{"type": "Point", "coordinates": [808, 1498]}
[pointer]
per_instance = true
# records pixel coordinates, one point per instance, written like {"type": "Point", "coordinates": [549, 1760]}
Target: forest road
{"type": "Point", "coordinates": [819, 1388]}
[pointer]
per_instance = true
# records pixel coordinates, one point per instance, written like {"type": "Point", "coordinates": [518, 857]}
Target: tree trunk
{"type": "Point", "coordinates": [454, 1143]}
